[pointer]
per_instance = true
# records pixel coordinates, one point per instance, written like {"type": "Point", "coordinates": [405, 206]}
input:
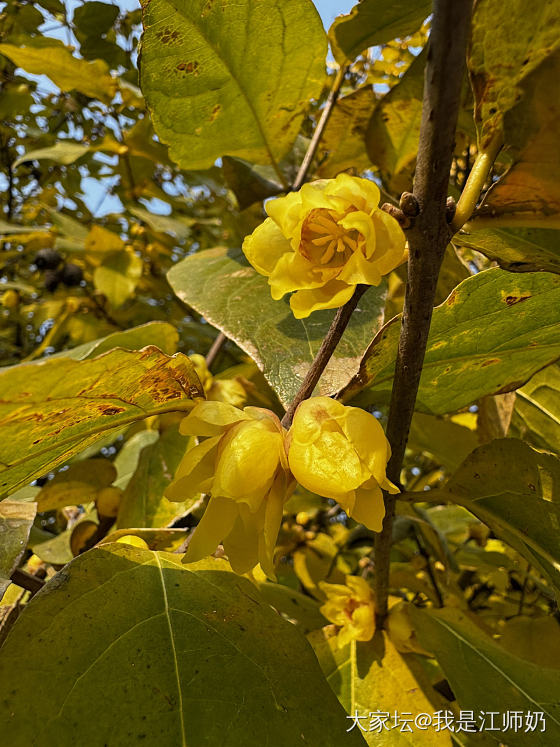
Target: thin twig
{"type": "Point", "coordinates": [326, 350]}
{"type": "Point", "coordinates": [215, 349]}
{"type": "Point", "coordinates": [321, 124]}
{"type": "Point", "coordinates": [429, 570]}
{"type": "Point", "coordinates": [27, 581]}
{"type": "Point", "coordinates": [524, 589]}
{"type": "Point", "coordinates": [427, 239]}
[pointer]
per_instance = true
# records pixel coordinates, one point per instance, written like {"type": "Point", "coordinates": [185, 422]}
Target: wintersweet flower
{"type": "Point", "coordinates": [218, 390]}
{"type": "Point", "coordinates": [324, 240]}
{"type": "Point", "coordinates": [351, 608]}
{"type": "Point", "coordinates": [341, 452]}
{"type": "Point", "coordinates": [242, 464]}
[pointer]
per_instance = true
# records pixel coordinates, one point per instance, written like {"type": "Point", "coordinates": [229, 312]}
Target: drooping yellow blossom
{"type": "Point", "coordinates": [218, 390]}
{"type": "Point", "coordinates": [323, 241]}
{"type": "Point", "coordinates": [341, 453]}
{"type": "Point", "coordinates": [351, 608]}
{"type": "Point", "coordinates": [242, 464]}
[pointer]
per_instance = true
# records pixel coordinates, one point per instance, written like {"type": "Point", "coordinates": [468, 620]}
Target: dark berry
{"type": "Point", "coordinates": [72, 274]}
{"type": "Point", "coordinates": [47, 259]}
{"type": "Point", "coordinates": [52, 279]}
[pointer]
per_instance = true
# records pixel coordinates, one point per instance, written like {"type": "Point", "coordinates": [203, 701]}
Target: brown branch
{"type": "Point", "coordinates": [318, 134]}
{"type": "Point", "coordinates": [27, 581]}
{"type": "Point", "coordinates": [328, 346]}
{"type": "Point", "coordinates": [427, 240]}
{"type": "Point", "coordinates": [215, 348]}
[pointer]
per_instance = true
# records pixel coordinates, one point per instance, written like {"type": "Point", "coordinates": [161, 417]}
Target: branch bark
{"type": "Point", "coordinates": [328, 346]}
{"type": "Point", "coordinates": [427, 240]}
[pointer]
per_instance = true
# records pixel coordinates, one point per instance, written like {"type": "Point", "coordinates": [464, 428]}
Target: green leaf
{"type": "Point", "coordinates": [448, 442]}
{"type": "Point", "coordinates": [536, 416]}
{"type": "Point", "coordinates": [517, 250]}
{"type": "Point", "coordinates": [231, 295]}
{"type": "Point", "coordinates": [394, 127]}
{"type": "Point", "coordinates": [164, 223]}
{"type": "Point", "coordinates": [373, 677]}
{"type": "Point", "coordinates": [53, 409]}
{"type": "Point", "coordinates": [515, 490]}
{"type": "Point", "coordinates": [16, 519]}
{"type": "Point", "coordinates": [250, 183]}
{"type": "Point", "coordinates": [64, 151]}
{"type": "Point", "coordinates": [343, 140]}
{"type": "Point", "coordinates": [530, 187]}
{"type": "Point", "coordinates": [493, 332]}
{"type": "Point", "coordinates": [374, 22]}
{"type": "Point", "coordinates": [143, 503]}
{"type": "Point", "coordinates": [162, 334]}
{"type": "Point", "coordinates": [162, 654]}
{"type": "Point", "coordinates": [94, 18]}
{"type": "Point", "coordinates": [43, 55]}
{"type": "Point", "coordinates": [470, 658]}
{"type": "Point", "coordinates": [222, 78]}
{"type": "Point", "coordinates": [509, 41]}
{"type": "Point", "coordinates": [126, 460]}
{"type": "Point", "coordinates": [78, 484]}
{"type": "Point", "coordinates": [118, 276]}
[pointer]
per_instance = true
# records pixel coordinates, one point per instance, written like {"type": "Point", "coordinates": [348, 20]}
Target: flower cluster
{"type": "Point", "coordinates": [248, 464]}
{"type": "Point", "coordinates": [324, 240]}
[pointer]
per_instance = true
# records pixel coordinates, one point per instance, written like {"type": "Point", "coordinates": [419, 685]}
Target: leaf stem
{"type": "Point", "coordinates": [427, 240]}
{"type": "Point", "coordinates": [319, 130]}
{"type": "Point", "coordinates": [476, 181]}
{"type": "Point", "coordinates": [328, 346]}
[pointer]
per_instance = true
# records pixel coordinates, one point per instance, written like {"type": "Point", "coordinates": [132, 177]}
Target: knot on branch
{"type": "Point", "coordinates": [403, 220]}
{"type": "Point", "coordinates": [409, 205]}
{"type": "Point", "coordinates": [450, 208]}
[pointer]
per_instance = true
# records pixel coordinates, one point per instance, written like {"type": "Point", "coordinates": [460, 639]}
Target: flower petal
{"type": "Point", "coordinates": [369, 508]}
{"type": "Point", "coordinates": [265, 246]}
{"type": "Point", "coordinates": [241, 545]}
{"type": "Point", "coordinates": [210, 419]}
{"type": "Point", "coordinates": [216, 523]}
{"type": "Point", "coordinates": [195, 471]}
{"type": "Point", "coordinates": [331, 296]}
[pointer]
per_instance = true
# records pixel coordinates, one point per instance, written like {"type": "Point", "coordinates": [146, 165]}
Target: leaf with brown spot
{"type": "Point", "coordinates": [492, 334]}
{"type": "Point", "coordinates": [53, 409]}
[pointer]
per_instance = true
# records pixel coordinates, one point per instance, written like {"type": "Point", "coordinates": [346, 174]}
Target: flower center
{"type": "Point", "coordinates": [324, 241]}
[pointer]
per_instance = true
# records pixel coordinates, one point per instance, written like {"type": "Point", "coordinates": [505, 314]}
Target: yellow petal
{"type": "Point", "coordinates": [248, 460]}
{"type": "Point", "coordinates": [331, 296]}
{"type": "Point", "coordinates": [285, 212]}
{"type": "Point", "coordinates": [273, 509]}
{"type": "Point", "coordinates": [369, 508]}
{"type": "Point", "coordinates": [195, 472]}
{"type": "Point", "coordinates": [360, 270]}
{"type": "Point", "coordinates": [362, 193]}
{"type": "Point", "coordinates": [265, 246]}
{"type": "Point", "coordinates": [210, 419]}
{"type": "Point", "coordinates": [363, 622]}
{"type": "Point", "coordinates": [360, 588]}
{"type": "Point", "coordinates": [369, 440]}
{"type": "Point", "coordinates": [294, 272]}
{"type": "Point", "coordinates": [390, 242]}
{"type": "Point", "coordinates": [241, 544]}
{"type": "Point", "coordinates": [216, 523]}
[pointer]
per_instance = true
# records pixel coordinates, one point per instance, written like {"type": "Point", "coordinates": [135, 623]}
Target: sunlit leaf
{"type": "Point", "coordinates": [53, 409]}
{"type": "Point", "coordinates": [230, 79]}
{"type": "Point", "coordinates": [42, 55]}
{"type": "Point", "coordinates": [374, 678]}
{"type": "Point", "coordinates": [373, 22]}
{"type": "Point", "coordinates": [78, 484]}
{"type": "Point", "coordinates": [122, 632]}
{"type": "Point", "coordinates": [16, 519]}
{"type": "Point", "coordinates": [515, 249]}
{"type": "Point", "coordinates": [494, 331]}
{"type": "Point", "coordinates": [143, 503]}
{"type": "Point", "coordinates": [515, 490]}
{"type": "Point", "coordinates": [536, 417]}
{"type": "Point", "coordinates": [470, 658]}
{"type": "Point", "coordinates": [231, 295]}
{"type": "Point", "coordinates": [118, 276]}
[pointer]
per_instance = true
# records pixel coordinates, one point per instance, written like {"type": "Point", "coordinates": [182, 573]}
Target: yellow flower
{"type": "Point", "coordinates": [351, 608]}
{"type": "Point", "coordinates": [341, 453]}
{"type": "Point", "coordinates": [218, 390]}
{"type": "Point", "coordinates": [242, 464]}
{"type": "Point", "coordinates": [323, 241]}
